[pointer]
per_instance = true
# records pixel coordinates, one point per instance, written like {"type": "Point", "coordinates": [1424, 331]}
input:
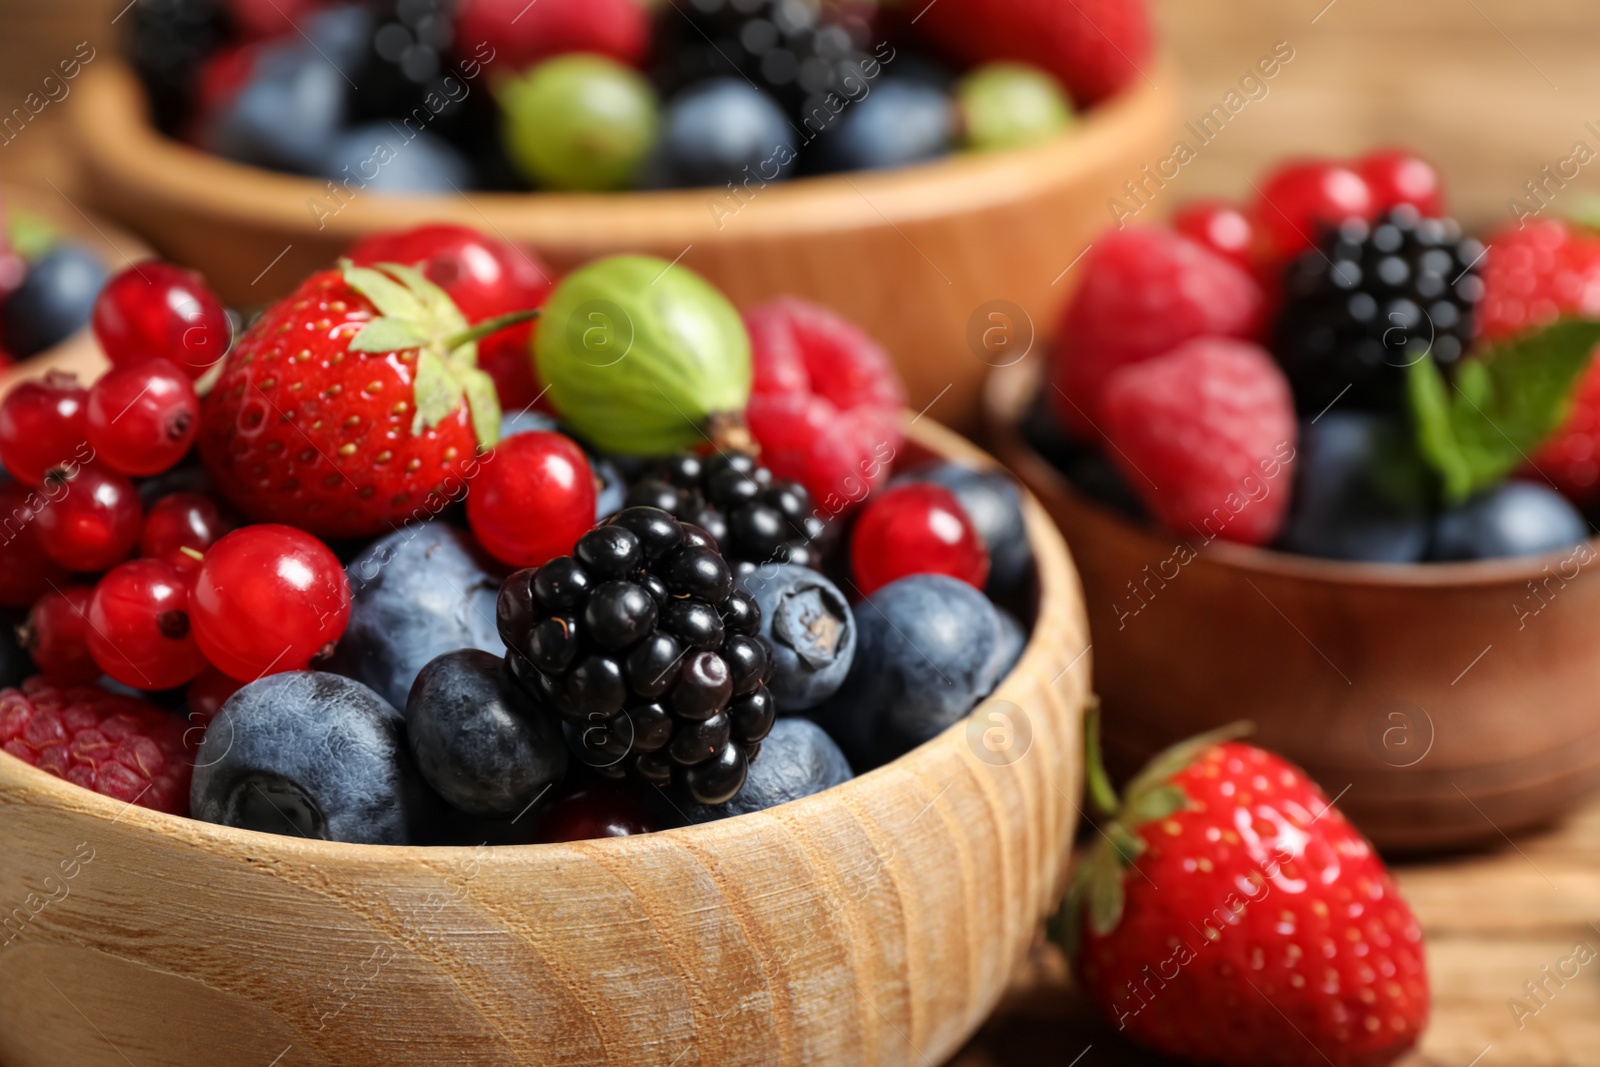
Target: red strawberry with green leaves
{"type": "Point", "coordinates": [1228, 914]}
{"type": "Point", "coordinates": [352, 405]}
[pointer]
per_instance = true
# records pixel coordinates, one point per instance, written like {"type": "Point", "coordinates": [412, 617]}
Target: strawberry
{"type": "Point", "coordinates": [1094, 46]}
{"type": "Point", "coordinates": [1228, 914]}
{"type": "Point", "coordinates": [352, 405]}
{"type": "Point", "coordinates": [1531, 276]}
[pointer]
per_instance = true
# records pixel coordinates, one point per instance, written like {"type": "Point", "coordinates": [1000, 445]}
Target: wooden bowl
{"type": "Point", "coordinates": [1446, 705]}
{"type": "Point", "coordinates": [875, 923]}
{"type": "Point", "coordinates": [115, 247]}
{"type": "Point", "coordinates": [912, 255]}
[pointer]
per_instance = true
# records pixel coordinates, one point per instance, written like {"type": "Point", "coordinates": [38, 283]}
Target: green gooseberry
{"type": "Point", "coordinates": [579, 122]}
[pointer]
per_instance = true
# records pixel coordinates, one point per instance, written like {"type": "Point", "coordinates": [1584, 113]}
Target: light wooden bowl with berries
{"type": "Point", "coordinates": [915, 256]}
{"type": "Point", "coordinates": [1446, 705]}
{"type": "Point", "coordinates": [874, 923]}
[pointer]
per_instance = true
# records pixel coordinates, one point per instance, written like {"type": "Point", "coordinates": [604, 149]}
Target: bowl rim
{"type": "Point", "coordinates": [1056, 582]}
{"type": "Point", "coordinates": [1009, 391]}
{"type": "Point", "coordinates": [112, 131]}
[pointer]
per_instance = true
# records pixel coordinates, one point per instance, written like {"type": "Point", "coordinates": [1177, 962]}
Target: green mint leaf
{"type": "Point", "coordinates": [387, 335]}
{"type": "Point", "coordinates": [1504, 404]}
{"type": "Point", "coordinates": [484, 400]}
{"type": "Point", "coordinates": [438, 391]}
{"type": "Point", "coordinates": [392, 299]}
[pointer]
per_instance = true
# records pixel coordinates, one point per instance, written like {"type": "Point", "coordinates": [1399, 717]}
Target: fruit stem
{"type": "Point", "coordinates": [727, 432]}
{"type": "Point", "coordinates": [192, 553]}
{"type": "Point", "coordinates": [1095, 780]}
{"type": "Point", "coordinates": [489, 326]}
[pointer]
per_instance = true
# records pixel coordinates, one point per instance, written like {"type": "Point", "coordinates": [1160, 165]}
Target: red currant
{"type": "Point", "coordinates": [43, 424]}
{"type": "Point", "coordinates": [268, 599]}
{"type": "Point", "coordinates": [56, 635]}
{"type": "Point", "coordinates": [1220, 226]}
{"type": "Point", "coordinates": [207, 693]}
{"type": "Point", "coordinates": [916, 528]}
{"type": "Point", "coordinates": [1299, 200]}
{"type": "Point", "coordinates": [1396, 177]}
{"type": "Point", "coordinates": [598, 811]}
{"type": "Point", "coordinates": [94, 523]}
{"type": "Point", "coordinates": [139, 630]}
{"type": "Point", "coordinates": [533, 500]}
{"type": "Point", "coordinates": [26, 573]}
{"type": "Point", "coordinates": [143, 417]}
{"type": "Point", "coordinates": [155, 310]}
{"type": "Point", "coordinates": [178, 521]}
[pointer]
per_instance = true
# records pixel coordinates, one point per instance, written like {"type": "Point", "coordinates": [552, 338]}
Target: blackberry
{"type": "Point", "coordinates": [1369, 301]}
{"type": "Point", "coordinates": [753, 517]}
{"type": "Point", "coordinates": [797, 50]}
{"type": "Point", "coordinates": [168, 41]}
{"type": "Point", "coordinates": [639, 643]}
{"type": "Point", "coordinates": [407, 60]}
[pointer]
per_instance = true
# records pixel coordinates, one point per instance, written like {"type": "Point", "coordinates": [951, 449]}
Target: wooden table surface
{"type": "Point", "coordinates": [1492, 90]}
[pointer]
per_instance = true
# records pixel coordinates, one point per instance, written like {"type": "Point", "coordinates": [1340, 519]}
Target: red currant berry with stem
{"type": "Point", "coordinates": [94, 523]}
{"type": "Point", "coordinates": [43, 424]}
{"type": "Point", "coordinates": [56, 635]}
{"type": "Point", "coordinates": [139, 630]}
{"type": "Point", "coordinates": [1220, 226]}
{"type": "Point", "coordinates": [1397, 177]}
{"type": "Point", "coordinates": [143, 418]}
{"type": "Point", "coordinates": [26, 573]}
{"type": "Point", "coordinates": [917, 528]}
{"type": "Point", "coordinates": [178, 521]}
{"type": "Point", "coordinates": [597, 811]}
{"type": "Point", "coordinates": [268, 599]}
{"type": "Point", "coordinates": [155, 310]}
{"type": "Point", "coordinates": [1300, 199]}
{"type": "Point", "coordinates": [534, 498]}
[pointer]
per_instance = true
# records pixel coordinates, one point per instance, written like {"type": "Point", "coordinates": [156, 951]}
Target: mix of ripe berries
{"type": "Point", "coordinates": [1279, 373]}
{"type": "Point", "coordinates": [365, 583]}
{"type": "Point", "coordinates": [601, 95]}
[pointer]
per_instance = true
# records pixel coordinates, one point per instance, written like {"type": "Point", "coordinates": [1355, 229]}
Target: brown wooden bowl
{"type": "Point", "coordinates": [1446, 705]}
{"type": "Point", "coordinates": [875, 923]}
{"type": "Point", "coordinates": [912, 255]}
{"type": "Point", "coordinates": [116, 248]}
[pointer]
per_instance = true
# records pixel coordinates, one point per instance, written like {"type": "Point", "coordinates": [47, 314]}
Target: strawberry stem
{"type": "Point", "coordinates": [1095, 780]}
{"type": "Point", "coordinates": [489, 326]}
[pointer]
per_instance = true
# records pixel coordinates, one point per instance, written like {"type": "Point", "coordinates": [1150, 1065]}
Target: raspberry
{"type": "Point", "coordinates": [825, 402]}
{"type": "Point", "coordinates": [1206, 435]}
{"type": "Point", "coordinates": [1145, 291]}
{"type": "Point", "coordinates": [116, 745]}
{"type": "Point", "coordinates": [1531, 276]}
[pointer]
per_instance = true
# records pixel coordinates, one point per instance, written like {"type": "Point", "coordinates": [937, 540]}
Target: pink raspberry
{"type": "Point", "coordinates": [825, 403]}
{"type": "Point", "coordinates": [1145, 291]}
{"type": "Point", "coordinates": [1206, 436]}
{"type": "Point", "coordinates": [116, 745]}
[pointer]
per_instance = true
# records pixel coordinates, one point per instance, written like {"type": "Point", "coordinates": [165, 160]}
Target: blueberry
{"type": "Point", "coordinates": [482, 744]}
{"type": "Point", "coordinates": [808, 624]}
{"type": "Point", "coordinates": [53, 301]}
{"type": "Point", "coordinates": [1361, 491]}
{"type": "Point", "coordinates": [726, 130]}
{"type": "Point", "coordinates": [1515, 519]}
{"type": "Point", "coordinates": [307, 754]}
{"type": "Point", "coordinates": [993, 502]}
{"type": "Point", "coordinates": [1013, 639]}
{"type": "Point", "coordinates": [797, 759]}
{"type": "Point", "coordinates": [528, 420]}
{"type": "Point", "coordinates": [902, 121]}
{"type": "Point", "coordinates": [926, 654]}
{"type": "Point", "coordinates": [288, 114]}
{"type": "Point", "coordinates": [383, 158]}
{"type": "Point", "coordinates": [415, 594]}
{"type": "Point", "coordinates": [341, 33]}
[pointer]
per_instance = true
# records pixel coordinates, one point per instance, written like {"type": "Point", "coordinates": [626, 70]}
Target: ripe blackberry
{"type": "Point", "coordinates": [754, 518]}
{"type": "Point", "coordinates": [797, 50]}
{"type": "Point", "coordinates": [1372, 299]}
{"type": "Point", "coordinates": [168, 40]}
{"type": "Point", "coordinates": [639, 643]}
{"type": "Point", "coordinates": [406, 62]}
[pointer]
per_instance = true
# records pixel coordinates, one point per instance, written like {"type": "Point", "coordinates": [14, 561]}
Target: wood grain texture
{"type": "Point", "coordinates": [911, 255]}
{"type": "Point", "coordinates": [1491, 922]}
{"type": "Point", "coordinates": [1446, 704]}
{"type": "Point", "coordinates": [876, 923]}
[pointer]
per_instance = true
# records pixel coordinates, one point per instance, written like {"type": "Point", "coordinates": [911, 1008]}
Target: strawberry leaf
{"type": "Point", "coordinates": [484, 401]}
{"type": "Point", "coordinates": [438, 391]}
{"type": "Point", "coordinates": [387, 335]}
{"type": "Point", "coordinates": [1153, 804]}
{"type": "Point", "coordinates": [392, 299]}
{"type": "Point", "coordinates": [1104, 889]}
{"type": "Point", "coordinates": [1506, 402]}
{"type": "Point", "coordinates": [1166, 765]}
